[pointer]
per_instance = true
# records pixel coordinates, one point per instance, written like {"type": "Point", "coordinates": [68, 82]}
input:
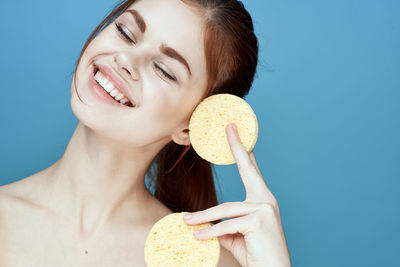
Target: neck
{"type": "Point", "coordinates": [96, 181]}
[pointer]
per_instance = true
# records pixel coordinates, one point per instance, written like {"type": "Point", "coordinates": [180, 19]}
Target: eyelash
{"type": "Point", "coordinates": [123, 33]}
{"type": "Point", "coordinates": [128, 39]}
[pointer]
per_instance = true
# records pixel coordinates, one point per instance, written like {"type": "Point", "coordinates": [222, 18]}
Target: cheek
{"type": "Point", "coordinates": [169, 106]}
{"type": "Point", "coordinates": [160, 107]}
{"type": "Point", "coordinates": [163, 108]}
{"type": "Point", "coordinates": [104, 43]}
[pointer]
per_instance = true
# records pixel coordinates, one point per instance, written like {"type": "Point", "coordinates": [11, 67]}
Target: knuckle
{"type": "Point", "coordinates": [269, 197]}
{"type": "Point", "coordinates": [274, 202]}
{"type": "Point", "coordinates": [268, 208]}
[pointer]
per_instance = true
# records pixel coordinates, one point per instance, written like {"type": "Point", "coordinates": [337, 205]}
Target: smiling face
{"type": "Point", "coordinates": [162, 69]}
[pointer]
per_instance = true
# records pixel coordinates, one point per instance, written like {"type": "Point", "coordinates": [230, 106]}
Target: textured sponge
{"type": "Point", "coordinates": [207, 127]}
{"type": "Point", "coordinates": [171, 242]}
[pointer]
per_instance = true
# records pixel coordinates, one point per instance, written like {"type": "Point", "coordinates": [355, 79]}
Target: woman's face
{"type": "Point", "coordinates": [164, 88]}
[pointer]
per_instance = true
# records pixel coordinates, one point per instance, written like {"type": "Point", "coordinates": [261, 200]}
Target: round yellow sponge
{"type": "Point", "coordinates": [207, 127]}
{"type": "Point", "coordinates": [171, 242]}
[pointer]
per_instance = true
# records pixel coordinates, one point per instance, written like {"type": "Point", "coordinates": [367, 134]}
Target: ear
{"type": "Point", "coordinates": [181, 137]}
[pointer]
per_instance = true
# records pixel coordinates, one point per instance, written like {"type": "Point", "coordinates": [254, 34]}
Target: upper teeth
{"type": "Point", "coordinates": [110, 88]}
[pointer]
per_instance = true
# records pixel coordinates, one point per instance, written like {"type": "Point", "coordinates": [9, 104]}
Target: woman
{"type": "Point", "coordinates": [158, 60]}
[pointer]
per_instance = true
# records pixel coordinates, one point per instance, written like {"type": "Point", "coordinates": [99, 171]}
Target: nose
{"type": "Point", "coordinates": [130, 73]}
{"type": "Point", "coordinates": [125, 65]}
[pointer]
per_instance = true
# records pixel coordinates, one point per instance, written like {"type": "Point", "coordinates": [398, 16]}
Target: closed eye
{"type": "Point", "coordinates": [166, 74]}
{"type": "Point", "coordinates": [129, 40]}
{"type": "Point", "coordinates": [123, 33]}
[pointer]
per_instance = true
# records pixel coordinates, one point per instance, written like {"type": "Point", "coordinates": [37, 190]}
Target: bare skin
{"type": "Point", "coordinates": [91, 207]}
{"type": "Point", "coordinates": [32, 234]}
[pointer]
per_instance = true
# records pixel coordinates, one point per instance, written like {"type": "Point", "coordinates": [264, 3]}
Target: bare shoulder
{"type": "Point", "coordinates": [22, 189]}
{"type": "Point", "coordinates": [8, 195]}
{"type": "Point", "coordinates": [15, 198]}
{"type": "Point", "coordinates": [11, 204]}
{"type": "Point", "coordinates": [17, 188]}
{"type": "Point", "coordinates": [227, 259]}
{"type": "Point", "coordinates": [4, 203]}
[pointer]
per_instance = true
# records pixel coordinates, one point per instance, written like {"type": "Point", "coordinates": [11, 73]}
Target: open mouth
{"type": "Point", "coordinates": [110, 89]}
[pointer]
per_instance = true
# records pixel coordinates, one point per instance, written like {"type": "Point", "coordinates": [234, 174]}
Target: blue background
{"type": "Point", "coordinates": [326, 97]}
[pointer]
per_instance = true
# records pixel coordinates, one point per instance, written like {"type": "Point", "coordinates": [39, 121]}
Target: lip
{"type": "Point", "coordinates": [118, 83]}
{"type": "Point", "coordinates": [101, 94]}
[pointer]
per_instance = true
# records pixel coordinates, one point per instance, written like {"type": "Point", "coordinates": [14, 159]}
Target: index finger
{"type": "Point", "coordinates": [248, 171]}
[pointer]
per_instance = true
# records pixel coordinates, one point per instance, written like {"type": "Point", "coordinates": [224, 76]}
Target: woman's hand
{"type": "Point", "coordinates": [255, 235]}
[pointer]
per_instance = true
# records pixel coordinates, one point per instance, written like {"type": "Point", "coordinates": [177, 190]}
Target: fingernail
{"type": "Point", "coordinates": [188, 216]}
{"type": "Point", "coordinates": [233, 126]}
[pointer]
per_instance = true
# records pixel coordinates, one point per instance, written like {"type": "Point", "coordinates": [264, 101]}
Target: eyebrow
{"type": "Point", "coordinates": [169, 51]}
{"type": "Point", "coordinates": [138, 18]}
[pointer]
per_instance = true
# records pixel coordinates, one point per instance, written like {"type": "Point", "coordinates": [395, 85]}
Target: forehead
{"type": "Point", "coordinates": [176, 24]}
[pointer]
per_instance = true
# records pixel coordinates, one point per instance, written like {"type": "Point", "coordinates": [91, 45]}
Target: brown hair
{"type": "Point", "coordinates": [181, 179]}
